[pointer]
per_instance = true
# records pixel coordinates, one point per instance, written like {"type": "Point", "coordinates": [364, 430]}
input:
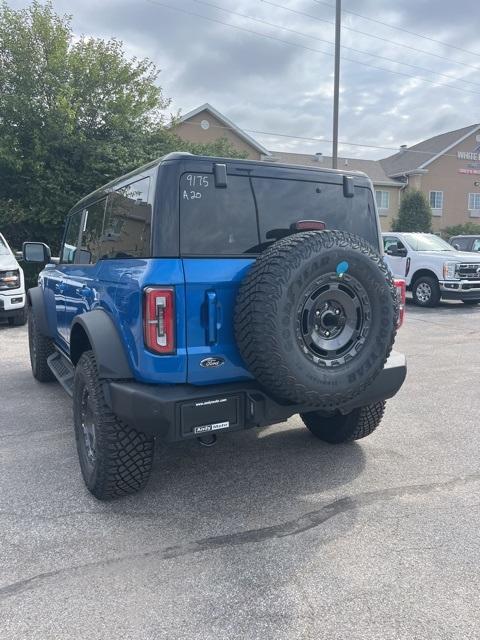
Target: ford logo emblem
{"type": "Point", "coordinates": [208, 363]}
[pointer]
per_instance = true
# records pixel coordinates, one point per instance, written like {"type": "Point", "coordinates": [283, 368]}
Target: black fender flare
{"type": "Point", "coordinates": [36, 300]}
{"type": "Point", "coordinates": [105, 342]}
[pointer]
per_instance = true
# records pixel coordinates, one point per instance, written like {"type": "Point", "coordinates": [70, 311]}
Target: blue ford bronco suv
{"type": "Point", "coordinates": [198, 295]}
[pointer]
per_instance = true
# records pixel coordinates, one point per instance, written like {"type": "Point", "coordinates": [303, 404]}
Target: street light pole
{"type": "Point", "coordinates": [336, 82]}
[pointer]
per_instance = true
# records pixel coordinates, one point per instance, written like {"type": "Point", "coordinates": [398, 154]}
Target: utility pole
{"type": "Point", "coordinates": [336, 82]}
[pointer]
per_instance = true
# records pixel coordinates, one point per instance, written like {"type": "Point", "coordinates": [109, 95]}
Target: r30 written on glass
{"type": "Point", "coordinates": [194, 186]}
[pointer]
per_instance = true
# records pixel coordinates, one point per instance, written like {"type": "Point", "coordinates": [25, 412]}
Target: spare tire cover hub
{"type": "Point", "coordinates": [333, 320]}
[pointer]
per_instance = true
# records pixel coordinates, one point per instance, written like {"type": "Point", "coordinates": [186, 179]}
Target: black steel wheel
{"type": "Point", "coordinates": [334, 319]}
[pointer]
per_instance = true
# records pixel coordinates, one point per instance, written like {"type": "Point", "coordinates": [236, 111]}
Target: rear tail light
{"type": "Point", "coordinates": [159, 319]}
{"type": "Point", "coordinates": [401, 289]}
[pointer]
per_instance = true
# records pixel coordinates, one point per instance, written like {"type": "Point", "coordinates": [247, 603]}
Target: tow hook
{"type": "Point", "coordinates": [208, 441]}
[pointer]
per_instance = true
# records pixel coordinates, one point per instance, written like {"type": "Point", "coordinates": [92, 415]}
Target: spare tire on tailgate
{"type": "Point", "coordinates": [316, 317]}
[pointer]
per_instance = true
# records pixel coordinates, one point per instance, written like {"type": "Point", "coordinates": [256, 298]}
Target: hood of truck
{"type": "Point", "coordinates": [451, 256]}
{"type": "Point", "coordinates": [8, 262]}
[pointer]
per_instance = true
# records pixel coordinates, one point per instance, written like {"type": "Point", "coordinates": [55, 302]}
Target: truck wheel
{"type": "Point", "coordinates": [41, 347]}
{"type": "Point", "coordinates": [340, 428]}
{"type": "Point", "coordinates": [316, 317]}
{"type": "Point", "coordinates": [471, 302]}
{"type": "Point", "coordinates": [115, 459]}
{"type": "Point", "coordinates": [19, 320]}
{"type": "Point", "coordinates": [426, 291]}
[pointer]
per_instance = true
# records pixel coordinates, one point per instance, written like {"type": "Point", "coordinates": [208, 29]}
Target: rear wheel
{"type": "Point", "coordinates": [115, 459]}
{"type": "Point", "coordinates": [426, 291]}
{"type": "Point", "coordinates": [41, 347]}
{"type": "Point", "coordinates": [339, 428]}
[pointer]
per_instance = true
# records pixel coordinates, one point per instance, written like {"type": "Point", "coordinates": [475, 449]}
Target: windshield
{"type": "Point", "coordinates": [428, 242]}
{"type": "Point", "coordinates": [4, 250]}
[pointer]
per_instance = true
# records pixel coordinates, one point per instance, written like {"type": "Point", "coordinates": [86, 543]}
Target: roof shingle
{"type": "Point", "coordinates": [372, 168]}
{"type": "Point", "coordinates": [414, 157]}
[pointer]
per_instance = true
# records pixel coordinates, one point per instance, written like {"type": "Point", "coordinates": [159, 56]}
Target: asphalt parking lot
{"type": "Point", "coordinates": [268, 535]}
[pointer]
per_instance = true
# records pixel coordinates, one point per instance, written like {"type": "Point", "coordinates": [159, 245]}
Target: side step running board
{"type": "Point", "coordinates": [63, 370]}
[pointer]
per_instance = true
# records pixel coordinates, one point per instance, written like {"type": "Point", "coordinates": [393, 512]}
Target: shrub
{"type": "Point", "coordinates": [414, 214]}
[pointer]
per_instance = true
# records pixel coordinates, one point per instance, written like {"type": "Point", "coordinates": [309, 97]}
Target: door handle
{"type": "Point", "coordinates": [211, 317]}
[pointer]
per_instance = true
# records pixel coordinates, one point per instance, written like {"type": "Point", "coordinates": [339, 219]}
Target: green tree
{"type": "Point", "coordinates": [469, 228]}
{"type": "Point", "coordinates": [414, 213]}
{"type": "Point", "coordinates": [74, 113]}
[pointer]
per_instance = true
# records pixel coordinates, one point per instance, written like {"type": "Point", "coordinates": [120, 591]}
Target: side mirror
{"type": "Point", "coordinates": [396, 251]}
{"type": "Point", "coordinates": [36, 252]}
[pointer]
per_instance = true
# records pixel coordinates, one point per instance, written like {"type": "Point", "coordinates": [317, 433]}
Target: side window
{"type": "Point", "coordinates": [216, 221]}
{"type": "Point", "coordinates": [70, 241]}
{"type": "Point", "coordinates": [391, 241]}
{"type": "Point", "coordinates": [383, 200]}
{"type": "Point", "coordinates": [476, 245]}
{"type": "Point", "coordinates": [91, 238]}
{"type": "Point", "coordinates": [128, 220]}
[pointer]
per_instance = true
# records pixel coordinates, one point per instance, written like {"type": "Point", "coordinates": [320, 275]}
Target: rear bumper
{"type": "Point", "coordinates": [181, 411]}
{"type": "Point", "coordinates": [460, 290]}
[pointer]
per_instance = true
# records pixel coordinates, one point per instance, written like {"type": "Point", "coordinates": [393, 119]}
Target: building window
{"type": "Point", "coordinates": [436, 202]}
{"type": "Point", "coordinates": [474, 204]}
{"type": "Point", "coordinates": [383, 201]}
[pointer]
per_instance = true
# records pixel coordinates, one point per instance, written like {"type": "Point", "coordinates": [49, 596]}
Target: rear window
{"type": "Point", "coordinates": [282, 202]}
{"type": "Point", "coordinates": [250, 213]}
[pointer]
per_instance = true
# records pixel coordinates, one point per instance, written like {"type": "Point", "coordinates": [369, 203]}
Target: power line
{"type": "Point", "coordinates": [294, 44]}
{"type": "Point", "coordinates": [391, 26]}
{"type": "Point", "coordinates": [326, 140]}
{"type": "Point", "coordinates": [306, 35]}
{"type": "Point", "coordinates": [370, 35]}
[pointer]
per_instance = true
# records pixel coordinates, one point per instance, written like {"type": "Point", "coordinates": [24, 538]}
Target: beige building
{"type": "Point", "coordinates": [446, 167]}
{"type": "Point", "coordinates": [205, 124]}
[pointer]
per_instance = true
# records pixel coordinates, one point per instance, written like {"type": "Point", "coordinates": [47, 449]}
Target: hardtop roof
{"type": "Point", "coordinates": [178, 156]}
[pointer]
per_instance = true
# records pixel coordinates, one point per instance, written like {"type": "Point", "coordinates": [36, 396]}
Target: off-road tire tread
{"type": "Point", "coordinates": [124, 455]}
{"type": "Point", "coordinates": [44, 348]}
{"type": "Point", "coordinates": [256, 310]}
{"type": "Point", "coordinates": [339, 429]}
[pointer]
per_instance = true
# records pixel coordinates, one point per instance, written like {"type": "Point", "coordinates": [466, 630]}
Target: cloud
{"type": "Point", "coordinates": [265, 85]}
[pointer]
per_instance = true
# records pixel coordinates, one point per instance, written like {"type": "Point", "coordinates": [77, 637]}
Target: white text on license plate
{"type": "Point", "coordinates": [211, 427]}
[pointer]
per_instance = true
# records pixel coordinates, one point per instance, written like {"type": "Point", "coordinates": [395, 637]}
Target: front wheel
{"type": "Point", "coordinates": [426, 291]}
{"type": "Point", "coordinates": [339, 428]}
{"type": "Point", "coordinates": [18, 320]}
{"type": "Point", "coordinates": [41, 347]}
{"type": "Point", "coordinates": [115, 459]}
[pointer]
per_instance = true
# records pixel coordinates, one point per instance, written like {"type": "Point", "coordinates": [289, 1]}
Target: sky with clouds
{"type": "Point", "coordinates": [279, 78]}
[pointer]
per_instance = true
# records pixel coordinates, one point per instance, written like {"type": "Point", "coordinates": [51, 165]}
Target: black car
{"type": "Point", "coordinates": [466, 243]}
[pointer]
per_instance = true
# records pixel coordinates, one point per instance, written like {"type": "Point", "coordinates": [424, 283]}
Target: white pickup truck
{"type": "Point", "coordinates": [12, 287]}
{"type": "Point", "coordinates": [432, 268]}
